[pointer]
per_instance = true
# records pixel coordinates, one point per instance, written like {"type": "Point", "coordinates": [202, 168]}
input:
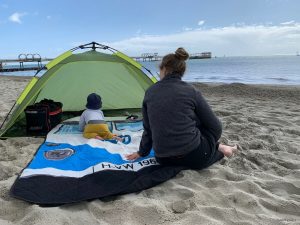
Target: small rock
{"type": "Point", "coordinates": [179, 207]}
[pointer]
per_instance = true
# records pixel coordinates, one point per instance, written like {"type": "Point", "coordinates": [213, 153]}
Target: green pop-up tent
{"type": "Point", "coordinates": [70, 77]}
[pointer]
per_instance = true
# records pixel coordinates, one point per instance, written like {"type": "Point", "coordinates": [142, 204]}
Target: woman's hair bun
{"type": "Point", "coordinates": [181, 54]}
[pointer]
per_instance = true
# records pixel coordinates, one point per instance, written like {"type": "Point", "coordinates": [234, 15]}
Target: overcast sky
{"type": "Point", "coordinates": [224, 27]}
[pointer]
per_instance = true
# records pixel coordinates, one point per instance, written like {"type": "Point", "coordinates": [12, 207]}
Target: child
{"type": "Point", "coordinates": [92, 120]}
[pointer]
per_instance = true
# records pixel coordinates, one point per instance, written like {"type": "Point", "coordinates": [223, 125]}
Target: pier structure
{"type": "Point", "coordinates": [5, 64]}
{"type": "Point", "coordinates": [147, 57]}
{"type": "Point", "coordinates": [202, 55]}
{"type": "Point", "coordinates": [36, 58]}
{"type": "Point", "coordinates": [155, 57]}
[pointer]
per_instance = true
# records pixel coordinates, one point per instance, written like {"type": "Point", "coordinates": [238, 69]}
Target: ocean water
{"type": "Point", "coordinates": [283, 70]}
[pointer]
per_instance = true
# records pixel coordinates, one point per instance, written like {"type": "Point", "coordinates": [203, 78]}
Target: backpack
{"type": "Point", "coordinates": [43, 116]}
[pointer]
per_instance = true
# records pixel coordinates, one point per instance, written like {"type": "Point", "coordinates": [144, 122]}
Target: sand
{"type": "Point", "coordinates": [260, 185]}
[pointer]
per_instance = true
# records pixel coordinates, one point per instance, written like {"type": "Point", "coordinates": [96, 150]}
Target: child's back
{"type": "Point", "coordinates": [92, 120]}
{"type": "Point", "coordinates": [90, 115]}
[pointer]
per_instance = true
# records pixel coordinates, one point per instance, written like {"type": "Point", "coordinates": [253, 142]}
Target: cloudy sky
{"type": "Point", "coordinates": [224, 27]}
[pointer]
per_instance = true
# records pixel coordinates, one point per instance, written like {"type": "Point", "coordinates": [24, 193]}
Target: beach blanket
{"type": "Point", "coordinates": [69, 168]}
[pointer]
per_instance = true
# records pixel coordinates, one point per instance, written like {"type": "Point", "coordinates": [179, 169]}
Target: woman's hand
{"type": "Point", "coordinates": [132, 156]}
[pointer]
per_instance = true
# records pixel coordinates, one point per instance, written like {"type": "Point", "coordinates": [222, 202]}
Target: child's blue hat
{"type": "Point", "coordinates": [93, 101]}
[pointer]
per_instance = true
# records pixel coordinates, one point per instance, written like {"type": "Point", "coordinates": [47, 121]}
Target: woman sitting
{"type": "Point", "coordinates": [178, 122]}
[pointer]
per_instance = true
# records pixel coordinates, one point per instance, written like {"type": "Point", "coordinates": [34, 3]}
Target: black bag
{"type": "Point", "coordinates": [55, 111]}
{"type": "Point", "coordinates": [37, 119]}
{"type": "Point", "coordinates": [43, 116]}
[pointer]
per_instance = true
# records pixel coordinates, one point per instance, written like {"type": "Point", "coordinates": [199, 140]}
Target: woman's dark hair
{"type": "Point", "coordinates": [175, 63]}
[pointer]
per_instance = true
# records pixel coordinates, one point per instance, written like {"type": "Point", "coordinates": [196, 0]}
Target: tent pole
{"type": "Point", "coordinates": [7, 115]}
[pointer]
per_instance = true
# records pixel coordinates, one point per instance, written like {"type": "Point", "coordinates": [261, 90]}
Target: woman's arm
{"type": "Point", "coordinates": [208, 119]}
{"type": "Point", "coordinates": [146, 142]}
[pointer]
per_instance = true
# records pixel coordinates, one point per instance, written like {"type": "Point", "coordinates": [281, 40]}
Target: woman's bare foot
{"type": "Point", "coordinates": [228, 151]}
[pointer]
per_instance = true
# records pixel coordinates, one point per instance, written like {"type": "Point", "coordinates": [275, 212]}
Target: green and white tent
{"type": "Point", "coordinates": [71, 77]}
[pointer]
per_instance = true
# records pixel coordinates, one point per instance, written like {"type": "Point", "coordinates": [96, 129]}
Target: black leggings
{"type": "Point", "coordinates": [202, 157]}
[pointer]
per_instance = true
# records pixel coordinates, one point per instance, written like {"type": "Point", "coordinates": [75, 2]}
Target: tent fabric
{"type": "Point", "coordinates": [72, 77]}
{"type": "Point", "coordinates": [58, 59]}
{"type": "Point", "coordinates": [68, 168]}
{"type": "Point", "coordinates": [118, 85]}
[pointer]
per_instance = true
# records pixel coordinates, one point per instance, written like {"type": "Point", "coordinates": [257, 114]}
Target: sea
{"type": "Point", "coordinates": [277, 70]}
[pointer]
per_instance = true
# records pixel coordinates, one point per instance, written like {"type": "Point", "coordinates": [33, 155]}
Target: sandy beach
{"type": "Point", "coordinates": [260, 185]}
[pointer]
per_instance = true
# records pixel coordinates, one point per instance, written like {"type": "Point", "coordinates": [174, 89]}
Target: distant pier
{"type": "Point", "coordinates": [148, 57]}
{"type": "Point", "coordinates": [202, 55]}
{"type": "Point", "coordinates": [5, 64]}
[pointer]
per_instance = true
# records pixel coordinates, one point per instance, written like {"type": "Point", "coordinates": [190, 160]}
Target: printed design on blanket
{"type": "Point", "coordinates": [69, 168]}
{"type": "Point", "coordinates": [78, 156]}
{"type": "Point", "coordinates": [80, 160]}
{"type": "Point", "coordinates": [58, 154]}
